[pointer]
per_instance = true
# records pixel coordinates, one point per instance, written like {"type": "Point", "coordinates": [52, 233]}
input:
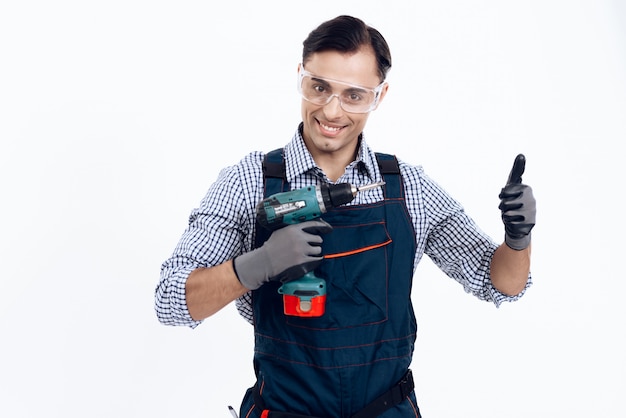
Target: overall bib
{"type": "Point", "coordinates": [336, 365]}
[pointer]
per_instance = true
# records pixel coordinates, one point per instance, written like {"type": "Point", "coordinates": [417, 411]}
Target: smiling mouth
{"type": "Point", "coordinates": [332, 129]}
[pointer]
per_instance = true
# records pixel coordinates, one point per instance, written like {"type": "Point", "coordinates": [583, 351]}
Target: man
{"type": "Point", "coordinates": [353, 360]}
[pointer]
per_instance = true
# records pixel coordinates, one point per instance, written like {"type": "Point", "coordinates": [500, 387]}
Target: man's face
{"type": "Point", "coordinates": [328, 129]}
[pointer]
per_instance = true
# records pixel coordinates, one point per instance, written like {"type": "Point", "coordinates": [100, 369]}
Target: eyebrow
{"type": "Point", "coordinates": [351, 87]}
{"type": "Point", "coordinates": [358, 89]}
{"type": "Point", "coordinates": [320, 80]}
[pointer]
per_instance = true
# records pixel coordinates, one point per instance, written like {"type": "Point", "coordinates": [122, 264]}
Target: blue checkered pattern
{"type": "Point", "coordinates": [223, 227]}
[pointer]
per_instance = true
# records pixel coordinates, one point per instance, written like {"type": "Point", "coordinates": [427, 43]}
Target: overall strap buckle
{"type": "Point", "coordinates": [394, 396]}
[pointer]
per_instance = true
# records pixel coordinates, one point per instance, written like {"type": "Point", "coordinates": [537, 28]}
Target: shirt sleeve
{"type": "Point", "coordinates": [451, 238]}
{"type": "Point", "coordinates": [218, 230]}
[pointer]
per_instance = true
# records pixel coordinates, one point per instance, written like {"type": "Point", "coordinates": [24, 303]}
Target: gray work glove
{"type": "Point", "coordinates": [518, 207]}
{"type": "Point", "coordinates": [288, 254]}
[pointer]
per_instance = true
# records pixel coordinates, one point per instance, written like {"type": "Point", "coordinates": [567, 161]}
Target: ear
{"type": "Point", "coordinates": [383, 92]}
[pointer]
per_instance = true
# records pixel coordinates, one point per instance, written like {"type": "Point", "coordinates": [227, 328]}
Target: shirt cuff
{"type": "Point", "coordinates": [498, 297]}
{"type": "Point", "coordinates": [171, 305]}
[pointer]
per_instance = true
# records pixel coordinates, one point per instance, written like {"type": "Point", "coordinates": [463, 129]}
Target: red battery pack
{"type": "Point", "coordinates": [294, 306]}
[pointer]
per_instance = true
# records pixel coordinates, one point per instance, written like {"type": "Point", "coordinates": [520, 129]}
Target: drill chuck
{"type": "Point", "coordinates": [337, 194]}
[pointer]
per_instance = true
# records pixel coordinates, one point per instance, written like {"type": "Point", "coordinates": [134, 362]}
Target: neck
{"type": "Point", "coordinates": [334, 164]}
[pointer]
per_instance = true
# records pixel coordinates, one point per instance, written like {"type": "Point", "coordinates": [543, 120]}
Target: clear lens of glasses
{"type": "Point", "coordinates": [353, 99]}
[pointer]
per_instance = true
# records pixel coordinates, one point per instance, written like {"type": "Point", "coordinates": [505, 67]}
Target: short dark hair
{"type": "Point", "coordinates": [348, 34]}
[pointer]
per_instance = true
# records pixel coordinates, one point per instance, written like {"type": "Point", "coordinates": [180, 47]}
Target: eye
{"type": "Point", "coordinates": [319, 88]}
{"type": "Point", "coordinates": [353, 96]}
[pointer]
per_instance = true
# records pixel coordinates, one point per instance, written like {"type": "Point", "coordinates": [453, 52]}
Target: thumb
{"type": "Point", "coordinates": [317, 227]}
{"type": "Point", "coordinates": [515, 177]}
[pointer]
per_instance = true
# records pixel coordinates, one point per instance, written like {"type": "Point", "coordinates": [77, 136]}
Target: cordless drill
{"type": "Point", "coordinates": [305, 296]}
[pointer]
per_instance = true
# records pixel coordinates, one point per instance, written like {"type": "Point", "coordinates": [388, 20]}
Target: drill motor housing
{"type": "Point", "coordinates": [301, 205]}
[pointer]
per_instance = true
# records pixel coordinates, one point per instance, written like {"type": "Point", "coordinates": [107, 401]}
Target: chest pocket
{"type": "Point", "coordinates": [356, 254]}
{"type": "Point", "coordinates": [356, 275]}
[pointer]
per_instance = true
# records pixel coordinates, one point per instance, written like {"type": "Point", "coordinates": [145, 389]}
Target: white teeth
{"type": "Point", "coordinates": [328, 128]}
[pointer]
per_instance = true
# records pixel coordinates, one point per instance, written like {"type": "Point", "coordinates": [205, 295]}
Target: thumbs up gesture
{"type": "Point", "coordinates": [518, 207]}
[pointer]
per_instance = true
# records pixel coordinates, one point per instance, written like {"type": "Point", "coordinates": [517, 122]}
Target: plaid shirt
{"type": "Point", "coordinates": [223, 226]}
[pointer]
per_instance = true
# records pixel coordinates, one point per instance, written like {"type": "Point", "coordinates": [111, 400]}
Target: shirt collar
{"type": "Point", "coordinates": [299, 160]}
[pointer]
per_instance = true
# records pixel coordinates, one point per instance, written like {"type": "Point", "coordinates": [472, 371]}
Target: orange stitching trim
{"type": "Point", "coordinates": [417, 415]}
{"type": "Point", "coordinates": [250, 411]}
{"type": "Point", "coordinates": [360, 250]}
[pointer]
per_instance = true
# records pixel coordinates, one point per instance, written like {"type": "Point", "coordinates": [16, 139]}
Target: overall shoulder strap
{"type": "Point", "coordinates": [390, 170]}
{"type": "Point", "coordinates": [274, 172]}
{"type": "Point", "coordinates": [274, 180]}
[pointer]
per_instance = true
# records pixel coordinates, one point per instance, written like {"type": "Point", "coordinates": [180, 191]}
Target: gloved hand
{"type": "Point", "coordinates": [289, 253]}
{"type": "Point", "coordinates": [518, 207]}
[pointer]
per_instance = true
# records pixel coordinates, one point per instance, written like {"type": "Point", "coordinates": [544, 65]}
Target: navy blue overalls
{"type": "Point", "coordinates": [353, 361]}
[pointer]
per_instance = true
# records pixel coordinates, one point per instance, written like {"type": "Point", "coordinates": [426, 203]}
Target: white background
{"type": "Point", "coordinates": [116, 116]}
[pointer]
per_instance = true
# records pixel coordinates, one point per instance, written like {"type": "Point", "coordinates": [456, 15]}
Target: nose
{"type": "Point", "coordinates": [333, 109]}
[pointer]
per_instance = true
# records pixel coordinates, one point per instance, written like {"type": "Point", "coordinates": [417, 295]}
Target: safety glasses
{"type": "Point", "coordinates": [352, 98]}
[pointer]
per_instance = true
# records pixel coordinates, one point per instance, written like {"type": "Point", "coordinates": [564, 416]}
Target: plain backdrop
{"type": "Point", "coordinates": [116, 116]}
